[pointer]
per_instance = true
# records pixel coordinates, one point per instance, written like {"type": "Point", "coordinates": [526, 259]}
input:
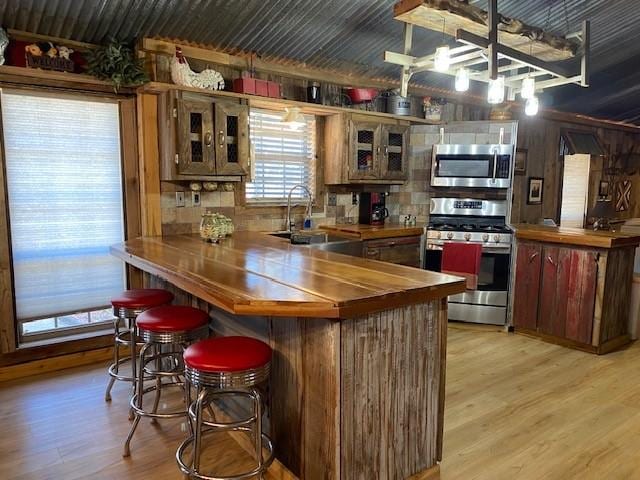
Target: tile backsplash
{"type": "Point", "coordinates": [186, 219]}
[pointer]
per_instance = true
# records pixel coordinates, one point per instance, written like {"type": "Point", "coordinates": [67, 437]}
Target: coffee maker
{"type": "Point", "coordinates": [372, 208]}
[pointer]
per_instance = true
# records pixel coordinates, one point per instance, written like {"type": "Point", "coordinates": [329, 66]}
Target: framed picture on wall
{"type": "Point", "coordinates": [534, 192]}
{"type": "Point", "coordinates": [520, 167]}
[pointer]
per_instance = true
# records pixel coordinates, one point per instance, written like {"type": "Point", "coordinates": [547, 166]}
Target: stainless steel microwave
{"type": "Point", "coordinates": [487, 166]}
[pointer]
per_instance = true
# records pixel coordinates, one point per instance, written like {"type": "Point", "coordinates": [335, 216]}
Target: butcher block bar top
{"type": "Point", "coordinates": [373, 232]}
{"type": "Point", "coordinates": [575, 236]}
{"type": "Point", "coordinates": [254, 273]}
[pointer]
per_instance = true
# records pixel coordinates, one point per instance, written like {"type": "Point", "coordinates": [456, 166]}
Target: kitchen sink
{"type": "Point", "coordinates": [321, 240]}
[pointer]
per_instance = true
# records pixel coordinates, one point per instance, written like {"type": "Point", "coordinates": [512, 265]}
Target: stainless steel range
{"type": "Point", "coordinates": [468, 220]}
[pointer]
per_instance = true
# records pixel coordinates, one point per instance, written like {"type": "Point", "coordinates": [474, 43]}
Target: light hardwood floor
{"type": "Point", "coordinates": [517, 409]}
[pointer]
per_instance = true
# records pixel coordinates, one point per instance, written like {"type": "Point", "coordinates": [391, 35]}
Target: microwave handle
{"type": "Point", "coordinates": [495, 165]}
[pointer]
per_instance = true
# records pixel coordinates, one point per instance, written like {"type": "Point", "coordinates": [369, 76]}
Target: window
{"type": "Point", "coordinates": [283, 157]}
{"type": "Point", "coordinates": [575, 189]}
{"type": "Point", "coordinates": [65, 209]}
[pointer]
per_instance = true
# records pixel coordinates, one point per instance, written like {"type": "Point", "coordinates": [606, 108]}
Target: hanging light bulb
{"type": "Point", "coordinates": [462, 80]}
{"type": "Point", "coordinates": [441, 59]}
{"type": "Point", "coordinates": [495, 93]}
{"type": "Point", "coordinates": [293, 118]}
{"type": "Point", "coordinates": [528, 88]}
{"type": "Point", "coordinates": [531, 107]}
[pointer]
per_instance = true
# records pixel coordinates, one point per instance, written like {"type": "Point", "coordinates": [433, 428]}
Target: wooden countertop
{"type": "Point", "coordinates": [255, 274]}
{"type": "Point", "coordinates": [575, 236]}
{"type": "Point", "coordinates": [371, 232]}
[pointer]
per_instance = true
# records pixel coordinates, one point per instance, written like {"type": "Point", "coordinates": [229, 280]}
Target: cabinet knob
{"type": "Point", "coordinates": [221, 138]}
{"type": "Point", "coordinates": [208, 139]}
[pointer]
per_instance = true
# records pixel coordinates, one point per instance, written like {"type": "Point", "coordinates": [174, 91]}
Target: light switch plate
{"type": "Point", "coordinates": [179, 199]}
{"type": "Point", "coordinates": [195, 199]}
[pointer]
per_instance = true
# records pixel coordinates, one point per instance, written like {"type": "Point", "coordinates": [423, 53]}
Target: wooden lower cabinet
{"type": "Point", "coordinates": [573, 295]}
{"type": "Point", "coordinates": [400, 250]}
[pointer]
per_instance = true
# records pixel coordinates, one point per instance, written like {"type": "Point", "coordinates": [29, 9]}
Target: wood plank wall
{"type": "Point", "coordinates": [541, 137]}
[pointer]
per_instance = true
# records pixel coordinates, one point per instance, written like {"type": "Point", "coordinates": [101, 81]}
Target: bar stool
{"type": "Point", "coordinates": [232, 366]}
{"type": "Point", "coordinates": [166, 330]}
{"type": "Point", "coordinates": [126, 307]}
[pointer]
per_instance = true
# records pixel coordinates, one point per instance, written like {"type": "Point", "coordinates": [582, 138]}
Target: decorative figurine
{"type": "Point", "coordinates": [4, 41]}
{"type": "Point", "coordinates": [181, 74]}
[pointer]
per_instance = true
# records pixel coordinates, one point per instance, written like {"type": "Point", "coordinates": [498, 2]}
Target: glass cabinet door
{"type": "Point", "coordinates": [232, 138]}
{"type": "Point", "coordinates": [195, 134]}
{"type": "Point", "coordinates": [394, 152]}
{"type": "Point", "coordinates": [365, 151]}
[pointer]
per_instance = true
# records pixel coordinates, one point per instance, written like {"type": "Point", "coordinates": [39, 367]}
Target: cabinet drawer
{"type": "Point", "coordinates": [403, 250]}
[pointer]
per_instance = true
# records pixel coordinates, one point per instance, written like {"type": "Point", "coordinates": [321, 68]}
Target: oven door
{"type": "Point", "coordinates": [487, 166]}
{"type": "Point", "coordinates": [487, 304]}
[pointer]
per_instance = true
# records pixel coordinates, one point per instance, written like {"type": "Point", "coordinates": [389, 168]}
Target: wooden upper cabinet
{"type": "Point", "coordinates": [395, 140]}
{"type": "Point", "coordinates": [202, 136]}
{"type": "Point", "coordinates": [365, 150]}
{"type": "Point", "coordinates": [232, 138]}
{"type": "Point", "coordinates": [196, 154]}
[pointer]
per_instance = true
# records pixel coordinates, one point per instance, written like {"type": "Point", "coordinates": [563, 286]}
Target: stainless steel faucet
{"type": "Point", "coordinates": [290, 224]}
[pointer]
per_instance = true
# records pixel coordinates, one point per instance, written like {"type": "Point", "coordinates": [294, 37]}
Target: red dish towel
{"type": "Point", "coordinates": [462, 259]}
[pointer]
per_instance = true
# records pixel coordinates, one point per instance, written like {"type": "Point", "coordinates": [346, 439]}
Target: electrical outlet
{"type": "Point", "coordinates": [332, 199]}
{"type": "Point", "coordinates": [179, 199]}
{"type": "Point", "coordinates": [195, 199]}
{"type": "Point", "coordinates": [354, 198]}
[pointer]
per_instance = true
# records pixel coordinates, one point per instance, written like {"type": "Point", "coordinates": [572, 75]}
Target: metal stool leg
{"type": "Point", "coordinates": [197, 442]}
{"type": "Point", "coordinates": [138, 398]}
{"type": "Point", "coordinates": [116, 358]}
{"type": "Point", "coordinates": [156, 400]}
{"type": "Point", "coordinates": [133, 352]}
{"type": "Point", "coordinates": [257, 398]}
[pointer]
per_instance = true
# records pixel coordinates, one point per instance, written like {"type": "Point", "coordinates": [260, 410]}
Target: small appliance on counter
{"type": "Point", "coordinates": [372, 210]}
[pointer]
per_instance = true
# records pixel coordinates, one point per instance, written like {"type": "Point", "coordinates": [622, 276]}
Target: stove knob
{"type": "Point", "coordinates": [467, 236]}
{"type": "Point", "coordinates": [485, 237]}
{"type": "Point", "coordinates": [450, 235]}
{"type": "Point", "coordinates": [438, 234]}
{"type": "Point", "coordinates": [496, 238]}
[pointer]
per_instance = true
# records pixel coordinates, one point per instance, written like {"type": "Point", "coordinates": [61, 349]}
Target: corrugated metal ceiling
{"type": "Point", "coordinates": [350, 36]}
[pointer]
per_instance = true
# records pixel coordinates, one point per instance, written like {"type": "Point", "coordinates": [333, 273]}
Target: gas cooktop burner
{"type": "Point", "coordinates": [469, 227]}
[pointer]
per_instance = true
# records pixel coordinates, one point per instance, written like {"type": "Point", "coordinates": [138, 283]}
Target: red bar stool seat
{"type": "Point", "coordinates": [225, 366]}
{"type": "Point", "coordinates": [126, 307]}
{"type": "Point", "coordinates": [165, 331]}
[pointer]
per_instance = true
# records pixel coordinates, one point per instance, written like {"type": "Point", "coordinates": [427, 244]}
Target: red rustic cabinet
{"type": "Point", "coordinates": [556, 292]}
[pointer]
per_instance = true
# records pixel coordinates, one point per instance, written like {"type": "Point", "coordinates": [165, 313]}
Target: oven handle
{"type": "Point", "coordinates": [485, 249]}
{"type": "Point", "coordinates": [495, 165]}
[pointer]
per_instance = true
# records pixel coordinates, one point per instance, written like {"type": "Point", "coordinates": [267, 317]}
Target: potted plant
{"type": "Point", "coordinates": [116, 62]}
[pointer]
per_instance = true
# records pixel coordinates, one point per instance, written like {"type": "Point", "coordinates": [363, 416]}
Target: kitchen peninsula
{"type": "Point", "coordinates": [357, 381]}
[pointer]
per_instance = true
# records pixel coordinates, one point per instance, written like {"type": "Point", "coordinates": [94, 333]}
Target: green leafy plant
{"type": "Point", "coordinates": [117, 63]}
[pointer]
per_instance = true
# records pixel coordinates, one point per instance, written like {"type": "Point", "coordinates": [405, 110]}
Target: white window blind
{"type": "Point", "coordinates": [282, 157]}
{"type": "Point", "coordinates": [65, 202]}
{"type": "Point", "coordinates": [575, 190]}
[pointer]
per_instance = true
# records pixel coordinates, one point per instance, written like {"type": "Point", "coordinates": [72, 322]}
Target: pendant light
{"type": "Point", "coordinates": [531, 106]}
{"type": "Point", "coordinates": [528, 88]}
{"type": "Point", "coordinates": [495, 92]}
{"type": "Point", "coordinates": [293, 118]}
{"type": "Point", "coordinates": [462, 80]}
{"type": "Point", "coordinates": [442, 57]}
